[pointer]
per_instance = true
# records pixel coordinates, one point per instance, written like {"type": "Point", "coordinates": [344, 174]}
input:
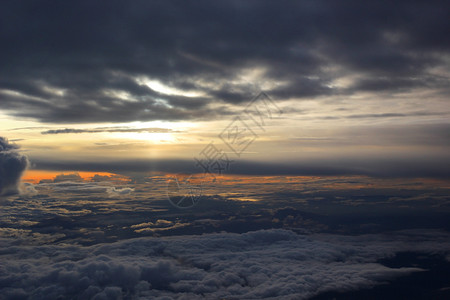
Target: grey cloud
{"type": "Point", "coordinates": [113, 191]}
{"type": "Point", "coordinates": [67, 177]}
{"type": "Point", "coordinates": [387, 115]}
{"type": "Point", "coordinates": [434, 165]}
{"type": "Point", "coordinates": [206, 45]}
{"type": "Point", "coordinates": [5, 145]}
{"type": "Point", "coordinates": [78, 186]}
{"type": "Point", "coordinates": [275, 264]}
{"type": "Point", "coordinates": [12, 165]}
{"type": "Point", "coordinates": [399, 135]}
{"type": "Point", "coordinates": [107, 129]}
{"type": "Point", "coordinates": [74, 183]}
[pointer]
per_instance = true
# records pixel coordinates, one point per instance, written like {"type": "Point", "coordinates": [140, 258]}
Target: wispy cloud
{"type": "Point", "coordinates": [108, 129]}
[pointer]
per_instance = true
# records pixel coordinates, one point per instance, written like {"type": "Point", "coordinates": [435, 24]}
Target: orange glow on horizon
{"type": "Point", "coordinates": [326, 182]}
{"type": "Point", "coordinates": [35, 176]}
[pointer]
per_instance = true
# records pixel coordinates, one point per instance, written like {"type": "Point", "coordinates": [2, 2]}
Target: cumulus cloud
{"type": "Point", "coordinates": [74, 183]}
{"type": "Point", "coordinates": [113, 191]}
{"type": "Point", "coordinates": [158, 226]}
{"type": "Point", "coordinates": [12, 166]}
{"type": "Point", "coordinates": [99, 178]}
{"type": "Point", "coordinates": [83, 187]}
{"type": "Point", "coordinates": [267, 264]}
{"type": "Point", "coordinates": [28, 189]}
{"type": "Point", "coordinates": [67, 177]}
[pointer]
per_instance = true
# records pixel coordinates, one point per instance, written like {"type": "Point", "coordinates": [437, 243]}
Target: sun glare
{"type": "Point", "coordinates": [154, 137]}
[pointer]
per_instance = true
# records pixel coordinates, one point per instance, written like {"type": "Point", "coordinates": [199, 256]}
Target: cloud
{"type": "Point", "coordinates": [74, 183]}
{"type": "Point", "coordinates": [12, 166]}
{"type": "Point", "coordinates": [28, 189]}
{"type": "Point", "coordinates": [158, 226]}
{"type": "Point", "coordinates": [113, 191]}
{"type": "Point", "coordinates": [370, 164]}
{"type": "Point", "coordinates": [29, 237]}
{"type": "Point", "coordinates": [107, 129]}
{"type": "Point", "coordinates": [171, 61]}
{"type": "Point", "coordinates": [67, 177]}
{"type": "Point", "coordinates": [255, 265]}
{"type": "Point", "coordinates": [83, 187]}
{"type": "Point", "coordinates": [100, 178]}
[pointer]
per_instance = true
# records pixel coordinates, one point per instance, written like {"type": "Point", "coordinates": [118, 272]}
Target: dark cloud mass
{"type": "Point", "coordinates": [12, 165]}
{"type": "Point", "coordinates": [84, 61]}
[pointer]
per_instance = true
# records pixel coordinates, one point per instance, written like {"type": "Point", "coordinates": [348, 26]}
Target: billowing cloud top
{"type": "Point", "coordinates": [12, 165]}
{"type": "Point", "coordinates": [84, 61]}
{"type": "Point", "coordinates": [271, 264]}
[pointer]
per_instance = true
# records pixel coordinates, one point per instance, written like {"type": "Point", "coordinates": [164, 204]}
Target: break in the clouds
{"type": "Point", "coordinates": [12, 165]}
{"type": "Point", "coordinates": [266, 264]}
{"type": "Point", "coordinates": [84, 61]}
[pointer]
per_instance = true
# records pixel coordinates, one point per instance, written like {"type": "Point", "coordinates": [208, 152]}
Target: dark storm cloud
{"type": "Point", "coordinates": [60, 59]}
{"type": "Point", "coordinates": [12, 165]}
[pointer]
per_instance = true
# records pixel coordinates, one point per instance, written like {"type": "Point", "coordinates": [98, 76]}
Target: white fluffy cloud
{"type": "Point", "coordinates": [113, 191]}
{"type": "Point", "coordinates": [262, 264]}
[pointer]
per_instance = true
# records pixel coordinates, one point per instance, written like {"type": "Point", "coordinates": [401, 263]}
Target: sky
{"type": "Point", "coordinates": [358, 86]}
{"type": "Point", "coordinates": [300, 123]}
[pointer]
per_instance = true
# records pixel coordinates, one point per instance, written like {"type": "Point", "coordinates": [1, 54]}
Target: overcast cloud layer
{"type": "Point", "coordinates": [84, 61]}
{"type": "Point", "coordinates": [106, 238]}
{"type": "Point", "coordinates": [271, 264]}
